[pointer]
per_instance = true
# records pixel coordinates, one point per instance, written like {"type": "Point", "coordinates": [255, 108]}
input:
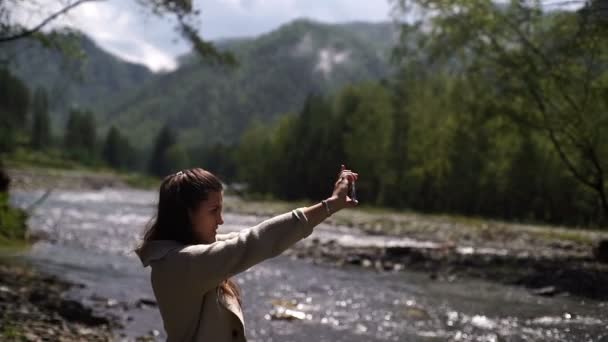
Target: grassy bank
{"type": "Point", "coordinates": [37, 178]}
{"type": "Point", "coordinates": [372, 220]}
{"type": "Point", "coordinates": [434, 227]}
{"type": "Point", "coordinates": [53, 164]}
{"type": "Point", "coordinates": [13, 228]}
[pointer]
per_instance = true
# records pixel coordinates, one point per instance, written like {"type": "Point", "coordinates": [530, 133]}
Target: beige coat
{"type": "Point", "coordinates": [185, 279]}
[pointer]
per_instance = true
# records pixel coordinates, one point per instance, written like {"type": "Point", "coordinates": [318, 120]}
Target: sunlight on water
{"type": "Point", "coordinates": [89, 239]}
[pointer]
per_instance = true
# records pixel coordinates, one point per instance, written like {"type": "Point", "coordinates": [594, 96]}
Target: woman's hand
{"type": "Point", "coordinates": [340, 197]}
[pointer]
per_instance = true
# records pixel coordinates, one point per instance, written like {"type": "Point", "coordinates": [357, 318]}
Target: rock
{"type": "Point", "coordinates": [76, 312]}
{"type": "Point", "coordinates": [353, 260]}
{"type": "Point", "coordinates": [387, 266]}
{"type": "Point", "coordinates": [397, 251]}
{"type": "Point", "coordinates": [39, 296]}
{"type": "Point", "coordinates": [146, 302]}
{"type": "Point", "coordinates": [85, 331]}
{"type": "Point", "coordinates": [110, 303]}
{"type": "Point", "coordinates": [547, 291]}
{"type": "Point", "coordinates": [4, 180]}
{"type": "Point", "coordinates": [38, 312]}
{"type": "Point", "coordinates": [601, 251]}
{"type": "Point", "coordinates": [31, 337]}
{"type": "Point", "coordinates": [416, 313]}
{"type": "Point", "coordinates": [281, 313]}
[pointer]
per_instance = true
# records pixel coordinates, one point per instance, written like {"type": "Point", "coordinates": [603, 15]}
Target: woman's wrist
{"type": "Point", "coordinates": [332, 204]}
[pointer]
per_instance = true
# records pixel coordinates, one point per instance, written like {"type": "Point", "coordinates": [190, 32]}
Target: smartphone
{"type": "Point", "coordinates": [352, 193]}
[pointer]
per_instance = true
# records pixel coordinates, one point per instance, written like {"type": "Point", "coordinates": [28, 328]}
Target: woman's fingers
{"type": "Point", "coordinates": [350, 175]}
{"type": "Point", "coordinates": [343, 188]}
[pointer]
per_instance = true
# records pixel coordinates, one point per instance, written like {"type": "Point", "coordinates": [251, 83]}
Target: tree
{"type": "Point", "coordinates": [549, 69]}
{"type": "Point", "coordinates": [186, 15]}
{"type": "Point", "coordinates": [80, 140]}
{"type": "Point", "coordinates": [367, 118]}
{"type": "Point", "coordinates": [14, 104]}
{"type": "Point", "coordinates": [41, 126]}
{"type": "Point", "coordinates": [117, 150]}
{"type": "Point", "coordinates": [167, 156]}
{"type": "Point", "coordinates": [254, 155]}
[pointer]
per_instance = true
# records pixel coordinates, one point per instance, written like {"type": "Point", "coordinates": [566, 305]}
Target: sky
{"type": "Point", "coordinates": [124, 29]}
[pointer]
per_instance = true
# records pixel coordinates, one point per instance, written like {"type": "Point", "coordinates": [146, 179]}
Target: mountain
{"type": "Point", "coordinates": [208, 103]}
{"type": "Point", "coordinates": [92, 81]}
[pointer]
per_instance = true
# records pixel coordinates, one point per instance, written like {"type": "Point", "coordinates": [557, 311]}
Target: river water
{"type": "Point", "coordinates": [89, 238]}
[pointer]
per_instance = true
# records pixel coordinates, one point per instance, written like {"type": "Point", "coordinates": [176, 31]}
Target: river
{"type": "Point", "coordinates": [90, 235]}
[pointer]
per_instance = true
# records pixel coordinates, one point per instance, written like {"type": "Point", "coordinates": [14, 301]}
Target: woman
{"type": "Point", "coordinates": [192, 265]}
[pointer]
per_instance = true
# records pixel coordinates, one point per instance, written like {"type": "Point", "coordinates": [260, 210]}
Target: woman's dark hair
{"type": "Point", "coordinates": [179, 195]}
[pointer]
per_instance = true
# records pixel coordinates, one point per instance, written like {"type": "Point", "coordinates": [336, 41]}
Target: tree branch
{"type": "Point", "coordinates": [38, 27]}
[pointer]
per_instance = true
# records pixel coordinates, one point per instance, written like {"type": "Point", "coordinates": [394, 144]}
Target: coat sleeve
{"type": "Point", "coordinates": [228, 236]}
{"type": "Point", "coordinates": [208, 265]}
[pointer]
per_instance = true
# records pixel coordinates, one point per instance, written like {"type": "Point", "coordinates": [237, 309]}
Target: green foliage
{"type": "Point", "coordinates": [434, 144]}
{"type": "Point", "coordinates": [168, 156]}
{"type": "Point", "coordinates": [51, 158]}
{"type": "Point", "coordinates": [74, 71]}
{"type": "Point", "coordinates": [12, 221]}
{"type": "Point", "coordinates": [14, 102]}
{"type": "Point", "coordinates": [117, 150]}
{"type": "Point", "coordinates": [41, 125]}
{"type": "Point", "coordinates": [185, 17]}
{"type": "Point", "coordinates": [217, 158]}
{"type": "Point", "coordinates": [80, 140]}
{"type": "Point", "coordinates": [367, 136]}
{"type": "Point", "coordinates": [253, 169]}
{"type": "Point", "coordinates": [544, 72]}
{"type": "Point", "coordinates": [138, 180]}
{"type": "Point", "coordinates": [208, 104]}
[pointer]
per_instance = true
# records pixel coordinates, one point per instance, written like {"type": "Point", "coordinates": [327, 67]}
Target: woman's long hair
{"type": "Point", "coordinates": [180, 194]}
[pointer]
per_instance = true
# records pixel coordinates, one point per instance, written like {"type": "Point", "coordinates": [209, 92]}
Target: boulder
{"type": "Point", "coordinates": [601, 251]}
{"type": "Point", "coordinates": [4, 180]}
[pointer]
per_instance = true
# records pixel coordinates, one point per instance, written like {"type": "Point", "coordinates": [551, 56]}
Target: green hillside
{"type": "Point", "coordinates": [207, 104]}
{"type": "Point", "coordinates": [93, 81]}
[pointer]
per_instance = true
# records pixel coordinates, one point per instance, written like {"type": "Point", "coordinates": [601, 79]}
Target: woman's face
{"type": "Point", "coordinates": [207, 217]}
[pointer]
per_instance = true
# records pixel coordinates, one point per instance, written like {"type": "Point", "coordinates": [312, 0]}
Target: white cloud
{"type": "Point", "coordinates": [140, 51]}
{"type": "Point", "coordinates": [329, 57]}
{"type": "Point", "coordinates": [128, 31]}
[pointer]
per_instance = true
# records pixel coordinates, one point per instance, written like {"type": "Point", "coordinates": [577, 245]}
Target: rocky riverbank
{"type": "Point", "coordinates": [565, 269]}
{"type": "Point", "coordinates": [46, 179]}
{"type": "Point", "coordinates": [34, 307]}
{"type": "Point", "coordinates": [548, 260]}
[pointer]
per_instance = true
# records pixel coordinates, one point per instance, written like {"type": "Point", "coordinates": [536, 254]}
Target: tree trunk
{"type": "Point", "coordinates": [4, 180]}
{"type": "Point", "coordinates": [602, 193]}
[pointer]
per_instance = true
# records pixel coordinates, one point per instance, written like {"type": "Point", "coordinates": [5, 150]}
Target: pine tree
{"type": "Point", "coordinates": [159, 164]}
{"type": "Point", "coordinates": [41, 128]}
{"type": "Point", "coordinates": [112, 149]}
{"type": "Point", "coordinates": [80, 136]}
{"type": "Point", "coordinates": [14, 102]}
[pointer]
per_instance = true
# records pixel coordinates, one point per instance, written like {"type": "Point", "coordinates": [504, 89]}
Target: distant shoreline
{"type": "Point", "coordinates": [32, 178]}
{"type": "Point", "coordinates": [548, 260]}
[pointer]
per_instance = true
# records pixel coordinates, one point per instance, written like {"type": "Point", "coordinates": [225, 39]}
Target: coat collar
{"type": "Point", "coordinates": [156, 250]}
{"type": "Point", "coordinates": [232, 305]}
